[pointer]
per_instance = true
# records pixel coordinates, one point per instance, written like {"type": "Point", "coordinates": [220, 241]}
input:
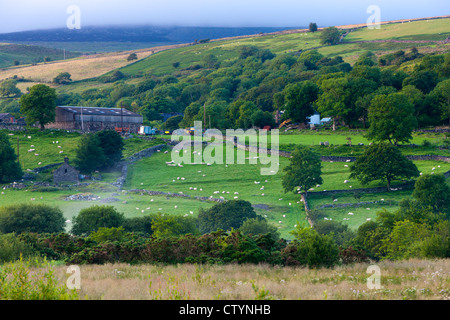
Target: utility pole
{"type": "Point", "coordinates": [18, 152]}
{"type": "Point", "coordinates": [121, 115]}
{"type": "Point", "coordinates": [204, 115]}
{"type": "Point", "coordinates": [82, 122]}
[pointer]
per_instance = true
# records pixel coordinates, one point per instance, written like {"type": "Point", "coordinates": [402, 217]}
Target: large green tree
{"type": "Point", "coordinates": [391, 118]}
{"type": "Point", "coordinates": [8, 89]}
{"type": "Point", "coordinates": [333, 99]}
{"type": "Point", "coordinates": [10, 169]}
{"type": "Point", "coordinates": [330, 36]}
{"type": "Point", "coordinates": [39, 105]}
{"type": "Point", "coordinates": [112, 144]}
{"type": "Point", "coordinates": [304, 170]}
{"type": "Point", "coordinates": [89, 156]}
{"type": "Point", "coordinates": [299, 98]}
{"type": "Point", "coordinates": [384, 162]}
{"type": "Point", "coordinates": [432, 190]}
{"type": "Point", "coordinates": [442, 94]}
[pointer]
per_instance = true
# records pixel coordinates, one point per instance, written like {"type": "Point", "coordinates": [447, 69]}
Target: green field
{"type": "Point", "coordinates": [225, 50]}
{"type": "Point", "coordinates": [28, 54]}
{"type": "Point", "coordinates": [220, 180]}
{"type": "Point", "coordinates": [433, 30]}
{"type": "Point", "coordinates": [217, 180]}
{"type": "Point", "coordinates": [38, 149]}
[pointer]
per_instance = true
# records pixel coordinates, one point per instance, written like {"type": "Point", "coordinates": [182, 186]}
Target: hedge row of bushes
{"type": "Point", "coordinates": [219, 247]}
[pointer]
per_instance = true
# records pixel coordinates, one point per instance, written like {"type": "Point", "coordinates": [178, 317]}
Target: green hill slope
{"type": "Point", "coordinates": [29, 54]}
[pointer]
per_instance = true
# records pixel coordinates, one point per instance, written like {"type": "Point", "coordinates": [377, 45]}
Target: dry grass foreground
{"type": "Point", "coordinates": [411, 280]}
{"type": "Point", "coordinates": [80, 68]}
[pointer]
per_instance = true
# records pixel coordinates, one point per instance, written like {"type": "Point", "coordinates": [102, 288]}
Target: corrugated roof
{"type": "Point", "coordinates": [99, 111]}
{"type": "Point", "coordinates": [5, 115]}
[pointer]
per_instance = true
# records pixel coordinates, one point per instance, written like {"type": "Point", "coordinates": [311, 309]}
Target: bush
{"type": "Point", "coordinates": [258, 226]}
{"type": "Point", "coordinates": [91, 219]}
{"type": "Point", "coordinates": [37, 218]}
{"type": "Point", "coordinates": [225, 216]}
{"type": "Point", "coordinates": [12, 248]}
{"type": "Point", "coordinates": [17, 283]}
{"type": "Point", "coordinates": [172, 226]}
{"type": "Point", "coordinates": [140, 225]}
{"type": "Point", "coordinates": [311, 249]}
{"type": "Point", "coordinates": [108, 234]}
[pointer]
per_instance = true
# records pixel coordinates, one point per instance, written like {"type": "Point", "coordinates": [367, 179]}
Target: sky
{"type": "Point", "coordinates": [22, 15]}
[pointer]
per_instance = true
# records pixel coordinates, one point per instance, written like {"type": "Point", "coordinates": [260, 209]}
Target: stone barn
{"type": "Point", "coordinates": [66, 173]}
{"type": "Point", "coordinates": [96, 119]}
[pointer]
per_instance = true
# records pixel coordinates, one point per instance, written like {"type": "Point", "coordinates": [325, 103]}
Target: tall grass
{"type": "Point", "coordinates": [32, 280]}
{"type": "Point", "coordinates": [403, 280]}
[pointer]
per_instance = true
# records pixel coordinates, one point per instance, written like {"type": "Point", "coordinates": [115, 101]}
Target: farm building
{"type": "Point", "coordinates": [7, 118]}
{"type": "Point", "coordinates": [65, 173]}
{"type": "Point", "coordinates": [95, 119]}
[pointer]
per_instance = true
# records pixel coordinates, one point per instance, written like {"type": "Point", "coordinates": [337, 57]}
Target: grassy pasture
{"type": "Point", "coordinates": [433, 30]}
{"type": "Point", "coordinates": [218, 180]}
{"type": "Point", "coordinates": [161, 63]}
{"type": "Point", "coordinates": [48, 145]}
{"type": "Point", "coordinates": [81, 68]}
{"type": "Point", "coordinates": [400, 280]}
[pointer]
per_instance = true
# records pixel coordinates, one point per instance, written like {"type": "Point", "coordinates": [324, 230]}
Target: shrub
{"type": "Point", "coordinates": [108, 234]}
{"type": "Point", "coordinates": [258, 226]}
{"type": "Point", "coordinates": [37, 218]}
{"type": "Point", "coordinates": [311, 249]}
{"type": "Point", "coordinates": [226, 215]}
{"type": "Point", "coordinates": [140, 225]}
{"type": "Point", "coordinates": [17, 283]}
{"type": "Point", "coordinates": [171, 226]}
{"type": "Point", "coordinates": [91, 219]}
{"type": "Point", "coordinates": [12, 248]}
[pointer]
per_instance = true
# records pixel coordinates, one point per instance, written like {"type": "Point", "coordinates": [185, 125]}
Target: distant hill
{"type": "Point", "coordinates": [19, 54]}
{"type": "Point", "coordinates": [132, 34]}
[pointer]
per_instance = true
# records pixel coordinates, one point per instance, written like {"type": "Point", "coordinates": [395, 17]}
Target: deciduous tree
{"type": "Point", "coordinates": [39, 105]}
{"type": "Point", "coordinates": [304, 170]}
{"type": "Point", "coordinates": [383, 162]}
